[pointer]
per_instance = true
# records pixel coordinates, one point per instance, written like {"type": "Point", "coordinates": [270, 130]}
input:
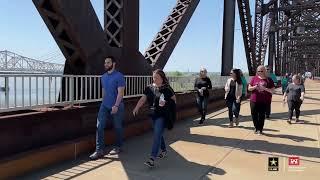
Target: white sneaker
{"type": "Point", "coordinates": [96, 155]}
{"type": "Point", "coordinates": [115, 151]}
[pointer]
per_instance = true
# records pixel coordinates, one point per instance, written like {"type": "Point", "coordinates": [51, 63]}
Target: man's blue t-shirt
{"type": "Point", "coordinates": [110, 84]}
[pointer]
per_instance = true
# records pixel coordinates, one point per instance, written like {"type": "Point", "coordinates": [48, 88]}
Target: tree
{"type": "Point", "coordinates": [177, 73]}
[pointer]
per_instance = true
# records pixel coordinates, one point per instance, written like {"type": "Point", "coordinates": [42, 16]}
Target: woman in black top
{"type": "Point", "coordinates": [295, 96]}
{"type": "Point", "coordinates": [161, 99]}
{"type": "Point", "coordinates": [201, 85]}
{"type": "Point", "coordinates": [233, 95]}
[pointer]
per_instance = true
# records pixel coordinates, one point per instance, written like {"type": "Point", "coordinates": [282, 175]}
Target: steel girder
{"type": "Point", "coordinates": [281, 49]}
{"type": "Point", "coordinates": [265, 37]}
{"type": "Point", "coordinates": [252, 37]}
{"type": "Point", "coordinates": [160, 49]}
{"type": "Point", "coordinates": [258, 24]}
{"type": "Point", "coordinates": [85, 44]}
{"type": "Point", "coordinates": [313, 5]}
{"type": "Point", "coordinates": [296, 31]}
{"type": "Point", "coordinates": [228, 37]}
{"type": "Point", "coordinates": [247, 33]}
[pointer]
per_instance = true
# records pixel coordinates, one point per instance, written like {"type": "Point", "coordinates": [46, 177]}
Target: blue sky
{"type": "Point", "coordinates": [23, 31]}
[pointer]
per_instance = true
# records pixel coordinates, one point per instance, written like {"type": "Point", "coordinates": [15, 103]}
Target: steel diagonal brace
{"type": "Point", "coordinates": [160, 49]}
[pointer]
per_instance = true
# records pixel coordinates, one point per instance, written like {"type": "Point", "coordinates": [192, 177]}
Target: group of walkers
{"type": "Point", "coordinates": [262, 87]}
{"type": "Point", "coordinates": [161, 101]}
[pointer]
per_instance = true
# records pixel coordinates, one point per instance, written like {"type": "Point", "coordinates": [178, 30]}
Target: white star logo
{"type": "Point", "coordinates": [273, 162]}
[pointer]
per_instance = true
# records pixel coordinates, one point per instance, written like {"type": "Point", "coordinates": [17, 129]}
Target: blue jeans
{"type": "Point", "coordinates": [202, 104]}
{"type": "Point", "coordinates": [233, 108]}
{"type": "Point", "coordinates": [105, 115]}
{"type": "Point", "coordinates": [158, 140]}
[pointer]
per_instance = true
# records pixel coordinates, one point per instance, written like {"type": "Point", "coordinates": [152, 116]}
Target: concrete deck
{"type": "Point", "coordinates": [214, 151]}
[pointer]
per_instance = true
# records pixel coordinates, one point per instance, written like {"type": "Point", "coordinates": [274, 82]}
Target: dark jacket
{"type": "Point", "coordinates": [170, 113]}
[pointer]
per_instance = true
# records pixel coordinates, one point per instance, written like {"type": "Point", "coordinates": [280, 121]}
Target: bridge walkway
{"type": "Point", "coordinates": [214, 151]}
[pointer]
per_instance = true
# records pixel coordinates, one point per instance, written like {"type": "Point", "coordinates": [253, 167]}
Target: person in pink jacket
{"type": "Point", "coordinates": [262, 88]}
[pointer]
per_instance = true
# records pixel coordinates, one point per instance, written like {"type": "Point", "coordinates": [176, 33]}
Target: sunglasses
{"type": "Point", "coordinates": [260, 71]}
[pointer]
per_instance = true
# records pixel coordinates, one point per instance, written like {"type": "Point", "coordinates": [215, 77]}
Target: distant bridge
{"type": "Point", "coordinates": [14, 63]}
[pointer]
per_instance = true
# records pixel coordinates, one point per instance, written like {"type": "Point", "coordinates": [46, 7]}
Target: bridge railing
{"type": "Point", "coordinates": [32, 91]}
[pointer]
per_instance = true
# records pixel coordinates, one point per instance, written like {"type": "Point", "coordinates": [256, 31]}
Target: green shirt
{"type": "Point", "coordinates": [274, 78]}
{"type": "Point", "coordinates": [244, 84]}
{"type": "Point", "coordinates": [284, 82]}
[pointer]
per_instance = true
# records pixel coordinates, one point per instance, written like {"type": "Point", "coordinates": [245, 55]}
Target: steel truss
{"type": "Point", "coordinates": [10, 61]}
{"type": "Point", "coordinates": [292, 28]}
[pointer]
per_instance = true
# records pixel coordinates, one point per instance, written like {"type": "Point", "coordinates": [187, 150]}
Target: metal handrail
{"type": "Point", "coordinates": [32, 91]}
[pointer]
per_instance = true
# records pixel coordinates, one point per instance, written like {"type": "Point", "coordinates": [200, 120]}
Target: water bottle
{"type": "Point", "coordinates": [201, 92]}
{"type": "Point", "coordinates": [161, 98]}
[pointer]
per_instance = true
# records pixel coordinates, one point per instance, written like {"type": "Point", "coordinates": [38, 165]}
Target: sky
{"type": "Point", "coordinates": [23, 31]}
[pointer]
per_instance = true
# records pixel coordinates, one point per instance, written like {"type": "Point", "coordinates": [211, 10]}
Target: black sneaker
{"type": "Point", "coordinates": [231, 124]}
{"type": "Point", "coordinates": [201, 121]}
{"type": "Point", "coordinates": [299, 121]}
{"type": "Point", "coordinates": [149, 163]}
{"type": "Point", "coordinates": [163, 154]}
{"type": "Point", "coordinates": [237, 121]}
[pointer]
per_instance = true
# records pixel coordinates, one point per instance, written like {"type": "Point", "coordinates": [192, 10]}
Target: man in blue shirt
{"type": "Point", "coordinates": [111, 108]}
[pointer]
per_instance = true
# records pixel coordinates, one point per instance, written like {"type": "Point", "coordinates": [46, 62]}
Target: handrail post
{"type": "Point", "coordinates": [6, 86]}
{"type": "Point", "coordinates": [71, 88]}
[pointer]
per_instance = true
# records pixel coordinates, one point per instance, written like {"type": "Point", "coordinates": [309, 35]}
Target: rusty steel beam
{"type": "Point", "coordinates": [313, 5]}
{"type": "Point", "coordinates": [64, 20]}
{"type": "Point", "coordinates": [85, 44]}
{"type": "Point", "coordinates": [296, 13]}
{"type": "Point", "coordinates": [247, 33]}
{"type": "Point", "coordinates": [228, 37]}
{"type": "Point", "coordinates": [79, 35]}
{"type": "Point", "coordinates": [265, 38]}
{"type": "Point", "coordinates": [160, 49]}
{"type": "Point", "coordinates": [278, 42]}
{"type": "Point", "coordinates": [258, 31]}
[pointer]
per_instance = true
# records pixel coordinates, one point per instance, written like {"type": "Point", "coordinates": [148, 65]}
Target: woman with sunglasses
{"type": "Point", "coordinates": [233, 95]}
{"type": "Point", "coordinates": [202, 85]}
{"type": "Point", "coordinates": [261, 87]}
